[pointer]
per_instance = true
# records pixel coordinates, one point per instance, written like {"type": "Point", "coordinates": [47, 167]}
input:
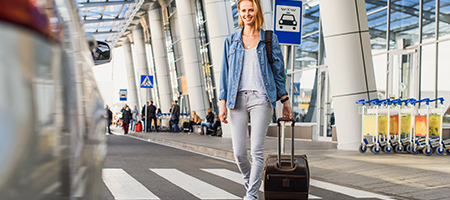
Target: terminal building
{"type": "Point", "coordinates": [351, 50]}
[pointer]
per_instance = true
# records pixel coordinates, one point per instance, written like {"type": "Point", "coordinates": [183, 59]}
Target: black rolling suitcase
{"type": "Point", "coordinates": [288, 179]}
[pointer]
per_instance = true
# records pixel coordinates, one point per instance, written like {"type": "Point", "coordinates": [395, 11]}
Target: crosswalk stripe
{"type": "Point", "coordinates": [124, 186]}
{"type": "Point", "coordinates": [347, 191]}
{"type": "Point", "coordinates": [237, 178]}
{"type": "Point", "coordinates": [196, 187]}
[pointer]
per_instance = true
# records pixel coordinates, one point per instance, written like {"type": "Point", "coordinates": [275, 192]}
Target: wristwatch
{"type": "Point", "coordinates": [284, 100]}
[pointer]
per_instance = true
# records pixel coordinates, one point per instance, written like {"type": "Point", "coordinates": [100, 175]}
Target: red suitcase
{"type": "Point", "coordinates": [288, 179]}
{"type": "Point", "coordinates": [139, 127]}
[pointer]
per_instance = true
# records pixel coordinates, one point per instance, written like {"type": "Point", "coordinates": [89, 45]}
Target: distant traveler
{"type": "Point", "coordinates": [249, 86]}
{"type": "Point", "coordinates": [195, 120]}
{"type": "Point", "coordinates": [134, 118]}
{"type": "Point", "coordinates": [209, 122]}
{"type": "Point", "coordinates": [126, 116]}
{"type": "Point", "coordinates": [174, 117]}
{"type": "Point", "coordinates": [216, 126]}
{"type": "Point", "coordinates": [150, 116]}
{"type": "Point", "coordinates": [109, 118]}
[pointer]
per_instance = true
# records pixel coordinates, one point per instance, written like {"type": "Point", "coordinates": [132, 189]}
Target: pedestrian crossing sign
{"type": "Point", "coordinates": [146, 81]}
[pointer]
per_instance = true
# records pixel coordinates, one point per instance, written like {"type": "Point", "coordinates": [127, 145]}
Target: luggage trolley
{"type": "Point", "coordinates": [395, 127]}
{"type": "Point", "coordinates": [435, 126]}
{"type": "Point", "coordinates": [406, 125]}
{"type": "Point", "coordinates": [423, 142]}
{"type": "Point", "coordinates": [384, 125]}
{"type": "Point", "coordinates": [369, 114]}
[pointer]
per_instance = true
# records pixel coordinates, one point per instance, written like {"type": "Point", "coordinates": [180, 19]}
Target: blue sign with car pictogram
{"type": "Point", "coordinates": [288, 19]}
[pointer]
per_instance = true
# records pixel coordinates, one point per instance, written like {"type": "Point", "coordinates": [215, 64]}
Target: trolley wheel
{"type": "Point", "coordinates": [440, 151]}
{"type": "Point", "coordinates": [388, 149]}
{"type": "Point", "coordinates": [427, 151]}
{"type": "Point", "coordinates": [408, 148]}
{"type": "Point", "coordinates": [362, 148]}
{"type": "Point", "coordinates": [398, 148]}
{"type": "Point", "coordinates": [382, 139]}
{"type": "Point", "coordinates": [376, 149]}
{"type": "Point", "coordinates": [447, 151]}
{"type": "Point", "coordinates": [414, 150]}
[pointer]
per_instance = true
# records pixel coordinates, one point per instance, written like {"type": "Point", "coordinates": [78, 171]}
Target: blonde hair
{"type": "Point", "coordinates": [259, 17]}
{"type": "Point", "coordinates": [208, 110]}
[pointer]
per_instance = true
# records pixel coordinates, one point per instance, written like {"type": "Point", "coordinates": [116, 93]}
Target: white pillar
{"type": "Point", "coordinates": [192, 63]}
{"type": "Point", "coordinates": [349, 60]}
{"type": "Point", "coordinates": [268, 14]}
{"type": "Point", "coordinates": [160, 55]}
{"type": "Point", "coordinates": [220, 25]}
{"type": "Point", "coordinates": [141, 65]}
{"type": "Point", "coordinates": [132, 96]}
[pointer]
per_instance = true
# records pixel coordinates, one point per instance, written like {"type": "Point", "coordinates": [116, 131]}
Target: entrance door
{"type": "Point", "coordinates": [324, 129]}
{"type": "Point", "coordinates": [403, 75]}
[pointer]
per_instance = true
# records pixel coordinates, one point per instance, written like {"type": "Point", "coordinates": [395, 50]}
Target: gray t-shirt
{"type": "Point", "coordinates": [251, 78]}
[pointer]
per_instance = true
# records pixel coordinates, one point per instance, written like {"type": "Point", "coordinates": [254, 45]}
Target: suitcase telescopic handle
{"type": "Point", "coordinates": [285, 119]}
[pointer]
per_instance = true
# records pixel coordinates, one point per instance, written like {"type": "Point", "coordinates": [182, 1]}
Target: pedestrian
{"type": "Point", "coordinates": [209, 122]}
{"type": "Point", "coordinates": [134, 118]}
{"type": "Point", "coordinates": [150, 116]}
{"type": "Point", "coordinates": [216, 126]}
{"type": "Point", "coordinates": [249, 87]}
{"type": "Point", "coordinates": [174, 117]}
{"type": "Point", "coordinates": [126, 118]}
{"type": "Point", "coordinates": [109, 118]}
{"type": "Point", "coordinates": [194, 120]}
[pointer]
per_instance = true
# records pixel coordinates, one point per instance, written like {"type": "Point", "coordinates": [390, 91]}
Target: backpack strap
{"type": "Point", "coordinates": [268, 41]}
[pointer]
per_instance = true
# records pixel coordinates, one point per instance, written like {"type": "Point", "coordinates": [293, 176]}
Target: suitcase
{"type": "Point", "coordinates": [288, 179]}
{"type": "Point", "coordinates": [139, 127]}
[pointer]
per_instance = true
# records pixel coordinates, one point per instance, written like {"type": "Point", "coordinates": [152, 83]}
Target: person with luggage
{"type": "Point", "coordinates": [126, 116]}
{"type": "Point", "coordinates": [249, 85]}
{"type": "Point", "coordinates": [134, 118]}
{"type": "Point", "coordinates": [150, 116]}
{"type": "Point", "coordinates": [174, 117]}
{"type": "Point", "coordinates": [109, 118]}
{"type": "Point", "coordinates": [195, 120]}
{"type": "Point", "coordinates": [209, 122]}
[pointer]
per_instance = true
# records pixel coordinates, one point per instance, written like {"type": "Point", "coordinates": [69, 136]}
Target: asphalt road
{"type": "Point", "coordinates": [137, 169]}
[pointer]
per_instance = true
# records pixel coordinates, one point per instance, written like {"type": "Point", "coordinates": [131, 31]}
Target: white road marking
{"type": "Point", "coordinates": [196, 187]}
{"type": "Point", "coordinates": [123, 186]}
{"type": "Point", "coordinates": [237, 178]}
{"type": "Point", "coordinates": [347, 191]}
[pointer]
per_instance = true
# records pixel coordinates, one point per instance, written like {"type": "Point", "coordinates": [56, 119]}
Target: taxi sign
{"type": "Point", "coordinates": [288, 20]}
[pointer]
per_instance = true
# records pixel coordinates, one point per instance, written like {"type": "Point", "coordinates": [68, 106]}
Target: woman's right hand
{"type": "Point", "coordinates": [223, 111]}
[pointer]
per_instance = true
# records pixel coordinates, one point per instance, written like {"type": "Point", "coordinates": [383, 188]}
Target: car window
{"type": "Point", "coordinates": [288, 17]}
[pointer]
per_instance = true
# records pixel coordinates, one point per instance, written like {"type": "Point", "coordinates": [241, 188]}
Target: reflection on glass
{"type": "Point", "coordinates": [443, 87]}
{"type": "Point", "coordinates": [306, 55]}
{"type": "Point", "coordinates": [373, 5]}
{"type": "Point", "coordinates": [303, 95]}
{"type": "Point", "coordinates": [402, 82]}
{"type": "Point", "coordinates": [311, 19]}
{"type": "Point", "coordinates": [377, 27]}
{"type": "Point", "coordinates": [404, 23]}
{"type": "Point", "coordinates": [444, 19]}
{"type": "Point", "coordinates": [428, 20]}
{"type": "Point", "coordinates": [235, 12]}
{"type": "Point", "coordinates": [428, 72]}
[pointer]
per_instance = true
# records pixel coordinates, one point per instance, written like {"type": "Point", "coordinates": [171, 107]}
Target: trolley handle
{"type": "Point", "coordinates": [441, 99]}
{"type": "Point", "coordinates": [411, 101]}
{"type": "Point", "coordinates": [426, 100]}
{"type": "Point", "coordinates": [373, 101]}
{"type": "Point", "coordinates": [397, 102]}
{"type": "Point", "coordinates": [384, 102]}
{"type": "Point", "coordinates": [362, 101]}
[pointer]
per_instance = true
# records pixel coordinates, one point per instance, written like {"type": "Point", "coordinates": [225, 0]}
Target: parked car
{"type": "Point", "coordinates": [52, 121]}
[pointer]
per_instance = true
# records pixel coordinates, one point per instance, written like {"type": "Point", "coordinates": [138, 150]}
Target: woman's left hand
{"type": "Point", "coordinates": [287, 110]}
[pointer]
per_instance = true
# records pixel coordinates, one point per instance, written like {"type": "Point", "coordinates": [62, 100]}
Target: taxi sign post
{"type": "Point", "coordinates": [146, 82]}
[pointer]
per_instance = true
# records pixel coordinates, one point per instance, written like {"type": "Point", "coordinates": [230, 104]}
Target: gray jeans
{"type": "Point", "coordinates": [251, 103]}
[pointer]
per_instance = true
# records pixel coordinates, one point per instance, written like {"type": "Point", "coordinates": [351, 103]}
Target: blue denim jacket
{"type": "Point", "coordinates": [232, 62]}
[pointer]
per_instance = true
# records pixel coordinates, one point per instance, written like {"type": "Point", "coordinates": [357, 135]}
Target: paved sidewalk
{"type": "Point", "coordinates": [401, 176]}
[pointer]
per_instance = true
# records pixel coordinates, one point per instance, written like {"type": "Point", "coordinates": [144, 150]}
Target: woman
{"type": "Point", "coordinates": [249, 87]}
{"type": "Point", "coordinates": [195, 120]}
{"type": "Point", "coordinates": [126, 113]}
{"type": "Point", "coordinates": [209, 121]}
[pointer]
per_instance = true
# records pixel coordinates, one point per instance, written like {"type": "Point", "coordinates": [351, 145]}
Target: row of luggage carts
{"type": "Point", "coordinates": [396, 125]}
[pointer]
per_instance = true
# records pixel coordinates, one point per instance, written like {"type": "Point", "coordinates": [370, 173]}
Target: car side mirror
{"type": "Point", "coordinates": [102, 53]}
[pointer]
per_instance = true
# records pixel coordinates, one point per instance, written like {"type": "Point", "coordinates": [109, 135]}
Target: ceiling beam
{"type": "Point", "coordinates": [102, 32]}
{"type": "Point", "coordinates": [106, 3]}
{"type": "Point", "coordinates": [90, 21]}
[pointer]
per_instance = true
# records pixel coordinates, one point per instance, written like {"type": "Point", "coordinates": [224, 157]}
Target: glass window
{"type": "Point", "coordinates": [306, 55]}
{"type": "Point", "coordinates": [235, 12]}
{"type": "Point", "coordinates": [428, 72]}
{"type": "Point", "coordinates": [373, 5]}
{"type": "Point", "coordinates": [377, 28]}
{"type": "Point", "coordinates": [428, 20]}
{"type": "Point", "coordinates": [311, 19]}
{"type": "Point", "coordinates": [380, 67]}
{"type": "Point", "coordinates": [443, 87]}
{"type": "Point", "coordinates": [404, 22]}
{"type": "Point", "coordinates": [303, 95]}
{"type": "Point", "coordinates": [444, 19]}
